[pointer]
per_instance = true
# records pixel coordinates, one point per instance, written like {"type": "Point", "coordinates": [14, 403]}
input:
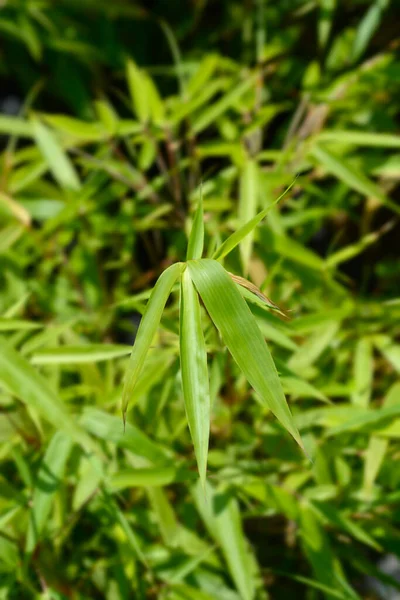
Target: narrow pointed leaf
{"type": "Point", "coordinates": [138, 91]}
{"type": "Point", "coordinates": [320, 555]}
{"type": "Point", "coordinates": [58, 162]}
{"type": "Point", "coordinates": [240, 332]}
{"type": "Point", "coordinates": [48, 480]}
{"type": "Point", "coordinates": [196, 391]}
{"type": "Point", "coordinates": [236, 237]}
{"type": "Point", "coordinates": [363, 372]}
{"type": "Point", "coordinates": [355, 179]}
{"type": "Point", "coordinates": [196, 239]}
{"type": "Point", "coordinates": [221, 515]}
{"type": "Point", "coordinates": [248, 207]}
{"type": "Point", "coordinates": [147, 329]}
{"type": "Point", "coordinates": [374, 457]}
{"type": "Point", "coordinates": [23, 381]}
{"type": "Point", "coordinates": [86, 353]}
{"type": "Point", "coordinates": [213, 112]}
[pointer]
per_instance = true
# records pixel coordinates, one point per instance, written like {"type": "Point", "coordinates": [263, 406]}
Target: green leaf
{"type": "Point", "coordinates": [147, 329]}
{"type": "Point", "coordinates": [156, 104]}
{"type": "Point", "coordinates": [313, 347]}
{"type": "Point", "coordinates": [88, 132]}
{"type": "Point", "coordinates": [352, 250]}
{"type": "Point", "coordinates": [120, 518]}
{"type": "Point", "coordinates": [58, 162]}
{"type": "Point", "coordinates": [355, 179]}
{"type": "Point", "coordinates": [360, 138]}
{"type": "Point", "coordinates": [203, 74]}
{"type": "Point", "coordinates": [373, 461]}
{"type": "Point", "coordinates": [80, 354]}
{"type": "Point", "coordinates": [236, 237]}
{"type": "Point", "coordinates": [320, 555]}
{"type": "Point", "coordinates": [240, 333]}
{"type": "Point", "coordinates": [368, 420]}
{"type": "Point", "coordinates": [17, 324]}
{"type": "Point", "coordinates": [195, 381]}
{"type": "Point", "coordinates": [149, 477]}
{"type": "Point", "coordinates": [109, 428]}
{"type": "Point", "coordinates": [196, 239]}
{"type": "Point", "coordinates": [333, 516]}
{"type": "Point", "coordinates": [220, 512]}
{"type": "Point", "coordinates": [248, 197]}
{"type": "Point", "coordinates": [48, 480]}
{"type": "Point", "coordinates": [211, 114]}
{"type": "Point", "coordinates": [367, 27]}
{"type": "Point", "coordinates": [389, 349]}
{"type": "Point", "coordinates": [165, 515]}
{"type": "Point", "coordinates": [15, 126]}
{"type": "Point", "coordinates": [23, 381]}
{"type": "Point", "coordinates": [325, 20]}
{"type": "Point", "coordinates": [363, 370]}
{"type": "Point", "coordinates": [138, 86]}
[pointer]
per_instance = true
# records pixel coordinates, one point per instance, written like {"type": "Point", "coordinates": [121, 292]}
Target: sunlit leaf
{"type": "Point", "coordinates": [196, 239]}
{"type": "Point", "coordinates": [242, 336]}
{"type": "Point", "coordinates": [147, 329]}
{"type": "Point", "coordinates": [195, 382]}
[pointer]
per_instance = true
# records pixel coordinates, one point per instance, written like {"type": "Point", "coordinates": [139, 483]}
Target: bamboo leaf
{"type": "Point", "coordinates": [23, 381]}
{"type": "Point", "coordinates": [360, 138]}
{"type": "Point", "coordinates": [236, 237]}
{"type": "Point", "coordinates": [138, 87]}
{"type": "Point", "coordinates": [220, 512]}
{"type": "Point", "coordinates": [248, 196]}
{"type": "Point", "coordinates": [374, 456]}
{"type": "Point", "coordinates": [209, 115]}
{"type": "Point", "coordinates": [355, 179]}
{"type": "Point", "coordinates": [203, 74]}
{"type": "Point", "coordinates": [86, 353]}
{"type": "Point", "coordinates": [58, 162]}
{"type": "Point", "coordinates": [195, 381]}
{"type": "Point", "coordinates": [109, 428]}
{"type": "Point", "coordinates": [147, 329]}
{"type": "Point", "coordinates": [48, 480]}
{"type": "Point", "coordinates": [318, 550]}
{"type": "Point", "coordinates": [240, 332]}
{"type": "Point", "coordinates": [15, 126]}
{"type": "Point", "coordinates": [149, 477]}
{"type": "Point", "coordinates": [196, 239]}
{"type": "Point", "coordinates": [363, 371]}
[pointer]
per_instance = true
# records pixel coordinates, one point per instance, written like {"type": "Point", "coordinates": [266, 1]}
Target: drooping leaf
{"type": "Point", "coordinates": [240, 333]}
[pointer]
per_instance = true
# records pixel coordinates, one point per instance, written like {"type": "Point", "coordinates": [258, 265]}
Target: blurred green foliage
{"type": "Point", "coordinates": [113, 116]}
